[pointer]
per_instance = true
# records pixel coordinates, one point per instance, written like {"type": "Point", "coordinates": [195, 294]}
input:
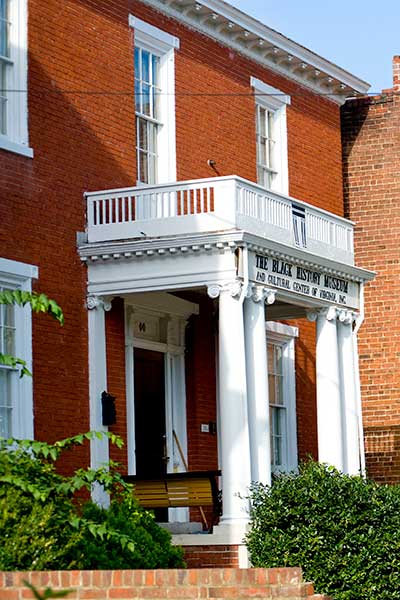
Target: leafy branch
{"type": "Point", "coordinates": [39, 303]}
{"type": "Point", "coordinates": [15, 363]}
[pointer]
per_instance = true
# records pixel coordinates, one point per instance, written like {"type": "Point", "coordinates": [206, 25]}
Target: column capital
{"type": "Point", "coordinates": [234, 288]}
{"type": "Point", "coordinates": [330, 313]}
{"type": "Point", "coordinates": [259, 293]}
{"type": "Point", "coordinates": [346, 316]}
{"type": "Point", "coordinates": [93, 302]}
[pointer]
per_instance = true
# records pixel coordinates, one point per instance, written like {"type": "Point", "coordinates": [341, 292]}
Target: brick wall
{"type": "Point", "coordinates": [306, 401]}
{"type": "Point", "coordinates": [116, 380]}
{"type": "Point", "coordinates": [371, 152]}
{"type": "Point", "coordinates": [86, 141]}
{"type": "Point", "coordinates": [172, 584]}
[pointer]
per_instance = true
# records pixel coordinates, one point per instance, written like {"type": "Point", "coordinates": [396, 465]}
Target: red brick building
{"type": "Point", "coordinates": [371, 154]}
{"type": "Point", "coordinates": [210, 286]}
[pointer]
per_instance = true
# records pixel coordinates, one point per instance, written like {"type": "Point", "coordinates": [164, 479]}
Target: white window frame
{"type": "Point", "coordinates": [285, 335]}
{"type": "Point", "coordinates": [275, 102]}
{"type": "Point", "coordinates": [18, 275]}
{"type": "Point", "coordinates": [16, 137]}
{"type": "Point", "coordinates": [163, 45]}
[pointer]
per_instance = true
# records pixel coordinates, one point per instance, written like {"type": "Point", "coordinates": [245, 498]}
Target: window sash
{"type": "Point", "coordinates": [3, 97]}
{"type": "Point", "coordinates": [147, 89]}
{"type": "Point", "coordinates": [5, 62]}
{"type": "Point", "coordinates": [6, 405]}
{"type": "Point", "coordinates": [266, 146]}
{"type": "Point", "coordinates": [146, 150]}
{"type": "Point", "coordinates": [5, 25]}
{"type": "Point", "coordinates": [7, 329]}
{"type": "Point", "coordinates": [277, 407]}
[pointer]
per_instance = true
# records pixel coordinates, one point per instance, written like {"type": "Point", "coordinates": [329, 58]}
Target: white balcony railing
{"type": "Point", "coordinates": [217, 204]}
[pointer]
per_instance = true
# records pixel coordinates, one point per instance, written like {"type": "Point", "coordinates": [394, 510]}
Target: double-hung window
{"type": "Point", "coordinates": [271, 136]}
{"type": "Point", "coordinates": [282, 396]}
{"type": "Point", "coordinates": [16, 411]}
{"type": "Point", "coordinates": [4, 61]}
{"type": "Point", "coordinates": [154, 103]}
{"type": "Point", "coordinates": [266, 154]}
{"type": "Point", "coordinates": [13, 77]}
{"type": "Point", "coordinates": [148, 124]}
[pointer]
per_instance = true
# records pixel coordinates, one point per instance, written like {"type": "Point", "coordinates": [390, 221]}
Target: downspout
{"type": "Point", "coordinates": [358, 322]}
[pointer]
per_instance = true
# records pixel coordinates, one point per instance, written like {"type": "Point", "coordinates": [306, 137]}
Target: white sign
{"type": "Point", "coordinates": [292, 278]}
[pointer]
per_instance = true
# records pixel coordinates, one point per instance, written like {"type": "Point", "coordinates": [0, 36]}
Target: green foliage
{"type": "Point", "coordinates": [151, 548]}
{"type": "Point", "coordinates": [44, 526]}
{"type": "Point", "coordinates": [343, 531]}
{"type": "Point", "coordinates": [39, 303]}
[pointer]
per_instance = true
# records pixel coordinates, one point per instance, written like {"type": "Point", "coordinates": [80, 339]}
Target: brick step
{"type": "Point", "coordinates": [168, 584]}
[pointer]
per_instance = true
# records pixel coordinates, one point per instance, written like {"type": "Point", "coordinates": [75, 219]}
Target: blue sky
{"type": "Point", "coordinates": [358, 35]}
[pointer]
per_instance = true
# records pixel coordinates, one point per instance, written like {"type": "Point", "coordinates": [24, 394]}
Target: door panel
{"type": "Point", "coordinates": [150, 435]}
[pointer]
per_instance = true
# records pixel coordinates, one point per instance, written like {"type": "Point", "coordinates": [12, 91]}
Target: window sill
{"type": "Point", "coordinates": [10, 146]}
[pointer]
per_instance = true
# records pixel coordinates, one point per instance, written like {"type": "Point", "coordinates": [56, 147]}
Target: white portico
{"type": "Point", "coordinates": [248, 251]}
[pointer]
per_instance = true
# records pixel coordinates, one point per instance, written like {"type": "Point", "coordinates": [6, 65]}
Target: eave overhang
{"type": "Point", "coordinates": [250, 37]}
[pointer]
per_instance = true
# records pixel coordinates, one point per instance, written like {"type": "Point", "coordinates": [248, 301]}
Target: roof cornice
{"type": "Point", "coordinates": [264, 45]}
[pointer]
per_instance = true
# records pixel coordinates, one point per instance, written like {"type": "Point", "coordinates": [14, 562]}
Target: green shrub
{"type": "Point", "coordinates": [44, 526]}
{"type": "Point", "coordinates": [151, 549]}
{"type": "Point", "coordinates": [343, 531]}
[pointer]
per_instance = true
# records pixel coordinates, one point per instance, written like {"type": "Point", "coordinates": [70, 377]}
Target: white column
{"type": "Point", "coordinates": [348, 392]}
{"type": "Point", "coordinates": [99, 450]}
{"type": "Point", "coordinates": [233, 430]}
{"type": "Point", "coordinates": [329, 413]}
{"type": "Point", "coordinates": [257, 382]}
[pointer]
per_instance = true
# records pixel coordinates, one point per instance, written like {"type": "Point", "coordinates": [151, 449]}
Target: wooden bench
{"type": "Point", "coordinates": [174, 490]}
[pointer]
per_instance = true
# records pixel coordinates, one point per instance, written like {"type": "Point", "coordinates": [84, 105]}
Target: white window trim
{"type": "Point", "coordinates": [16, 139]}
{"type": "Point", "coordinates": [162, 44]}
{"type": "Point", "coordinates": [286, 335]}
{"type": "Point", "coordinates": [276, 101]}
{"type": "Point", "coordinates": [19, 275]}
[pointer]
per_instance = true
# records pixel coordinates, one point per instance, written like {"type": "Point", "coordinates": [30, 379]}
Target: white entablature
{"type": "Point", "coordinates": [298, 278]}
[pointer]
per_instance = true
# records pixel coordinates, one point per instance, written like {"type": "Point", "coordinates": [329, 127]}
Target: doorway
{"type": "Point", "coordinates": [150, 423]}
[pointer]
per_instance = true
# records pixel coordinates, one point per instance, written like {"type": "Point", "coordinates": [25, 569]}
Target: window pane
{"type": "Point", "coordinates": [145, 66]}
{"type": "Point", "coordinates": [153, 138]}
{"type": "Point", "coordinates": [3, 98]}
{"type": "Point", "coordinates": [270, 125]}
{"type": "Point", "coordinates": [143, 167]}
{"type": "Point", "coordinates": [271, 389]}
{"type": "Point", "coordinates": [142, 134]}
{"type": "Point", "coordinates": [262, 151]}
{"type": "Point", "coordinates": [4, 45]}
{"type": "Point", "coordinates": [138, 98]}
{"type": "Point", "coordinates": [155, 67]}
{"type": "Point", "coordinates": [137, 62]}
{"type": "Point", "coordinates": [5, 403]}
{"type": "Point", "coordinates": [270, 352]}
{"type": "Point", "coordinates": [7, 329]}
{"type": "Point", "coordinates": [279, 391]}
{"type": "Point", "coordinates": [146, 99]}
{"type": "Point", "coordinates": [278, 436]}
{"type": "Point", "coordinates": [278, 360]}
{"type": "Point", "coordinates": [261, 121]}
